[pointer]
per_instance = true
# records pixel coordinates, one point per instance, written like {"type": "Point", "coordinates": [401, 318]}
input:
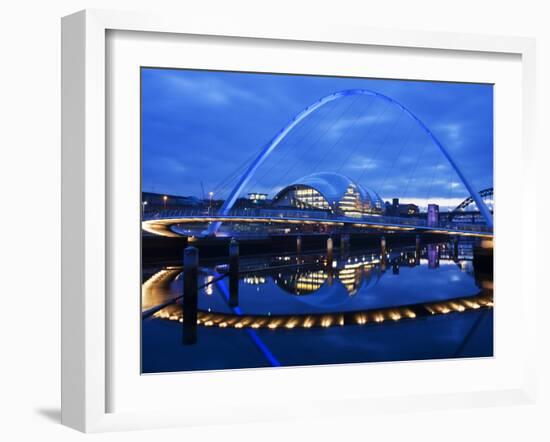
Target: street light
{"type": "Point", "coordinates": [165, 198]}
{"type": "Point", "coordinates": [143, 204]}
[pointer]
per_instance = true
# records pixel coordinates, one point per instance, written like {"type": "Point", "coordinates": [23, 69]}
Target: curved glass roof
{"type": "Point", "coordinates": [333, 187]}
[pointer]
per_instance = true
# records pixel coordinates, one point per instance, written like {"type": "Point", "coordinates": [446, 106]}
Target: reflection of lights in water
{"type": "Point", "coordinates": [302, 282]}
{"type": "Point", "coordinates": [209, 290]}
{"type": "Point", "coordinates": [254, 280]}
{"type": "Point", "coordinates": [351, 276]}
{"type": "Point", "coordinates": [156, 289]}
{"type": "Point", "coordinates": [352, 272]}
{"type": "Point", "coordinates": [310, 281]}
{"type": "Point", "coordinates": [394, 314]}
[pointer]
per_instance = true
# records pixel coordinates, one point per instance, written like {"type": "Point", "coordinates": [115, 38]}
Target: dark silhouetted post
{"type": "Point", "coordinates": [190, 294]}
{"type": "Point", "coordinates": [330, 251]}
{"type": "Point", "coordinates": [383, 251]}
{"type": "Point", "coordinates": [433, 256]}
{"type": "Point", "coordinates": [233, 273]}
{"type": "Point", "coordinates": [344, 245]}
{"type": "Point", "coordinates": [417, 250]}
{"type": "Point", "coordinates": [455, 249]}
{"type": "Point", "coordinates": [395, 266]}
{"type": "Point", "coordinates": [330, 259]}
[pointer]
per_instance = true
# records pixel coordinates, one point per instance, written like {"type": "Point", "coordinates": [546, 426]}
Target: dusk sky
{"type": "Point", "coordinates": [205, 126]}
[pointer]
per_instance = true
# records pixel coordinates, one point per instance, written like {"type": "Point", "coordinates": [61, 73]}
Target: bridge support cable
{"type": "Point", "coordinates": [395, 159]}
{"type": "Point", "coordinates": [221, 189]}
{"type": "Point", "coordinates": [279, 137]}
{"type": "Point", "coordinates": [234, 175]}
{"type": "Point", "coordinates": [450, 191]}
{"type": "Point", "coordinates": [412, 173]}
{"type": "Point", "coordinates": [339, 139]}
{"type": "Point", "coordinates": [365, 135]}
{"type": "Point", "coordinates": [435, 175]}
{"type": "Point", "coordinates": [297, 143]}
{"type": "Point", "coordinates": [323, 133]}
{"type": "Point", "coordinates": [381, 146]}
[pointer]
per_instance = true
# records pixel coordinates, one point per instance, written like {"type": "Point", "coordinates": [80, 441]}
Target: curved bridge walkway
{"type": "Point", "coordinates": [162, 224]}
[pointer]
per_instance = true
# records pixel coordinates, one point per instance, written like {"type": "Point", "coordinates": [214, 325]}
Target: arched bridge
{"type": "Point", "coordinates": [279, 137]}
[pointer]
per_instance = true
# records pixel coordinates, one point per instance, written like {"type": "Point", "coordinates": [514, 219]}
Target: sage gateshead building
{"type": "Point", "coordinates": [330, 192]}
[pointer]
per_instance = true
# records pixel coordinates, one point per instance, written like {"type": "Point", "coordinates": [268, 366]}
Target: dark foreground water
{"type": "Point", "coordinates": [289, 310]}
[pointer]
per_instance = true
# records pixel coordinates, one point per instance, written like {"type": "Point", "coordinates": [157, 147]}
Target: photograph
{"type": "Point", "coordinates": [303, 219]}
{"type": "Point", "coordinates": [271, 220]}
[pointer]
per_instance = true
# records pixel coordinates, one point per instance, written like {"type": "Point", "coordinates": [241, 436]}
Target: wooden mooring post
{"type": "Point", "coordinates": [330, 260]}
{"type": "Point", "coordinates": [383, 252]}
{"type": "Point", "coordinates": [417, 250]}
{"type": "Point", "coordinates": [190, 294]}
{"type": "Point", "coordinates": [233, 273]}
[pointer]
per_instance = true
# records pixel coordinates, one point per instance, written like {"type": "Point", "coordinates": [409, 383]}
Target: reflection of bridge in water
{"type": "Point", "coordinates": [308, 275]}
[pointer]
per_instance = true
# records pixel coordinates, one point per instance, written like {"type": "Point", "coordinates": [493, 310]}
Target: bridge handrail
{"type": "Point", "coordinates": [323, 215]}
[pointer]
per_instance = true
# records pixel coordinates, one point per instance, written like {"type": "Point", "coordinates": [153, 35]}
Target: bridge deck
{"type": "Point", "coordinates": [163, 225]}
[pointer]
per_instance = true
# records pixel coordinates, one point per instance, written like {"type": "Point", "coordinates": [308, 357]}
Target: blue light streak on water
{"type": "Point", "coordinates": [252, 333]}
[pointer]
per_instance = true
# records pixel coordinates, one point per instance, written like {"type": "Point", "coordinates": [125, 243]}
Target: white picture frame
{"type": "Point", "coordinates": [85, 236]}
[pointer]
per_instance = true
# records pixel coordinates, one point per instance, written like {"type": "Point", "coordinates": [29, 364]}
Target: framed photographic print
{"type": "Point", "coordinates": [349, 237]}
{"type": "Point", "coordinates": [324, 219]}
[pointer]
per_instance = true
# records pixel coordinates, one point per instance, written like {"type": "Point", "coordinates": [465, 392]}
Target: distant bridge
{"type": "Point", "coordinates": [460, 209]}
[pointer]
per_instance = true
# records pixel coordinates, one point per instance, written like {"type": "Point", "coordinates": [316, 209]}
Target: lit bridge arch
{"type": "Point", "coordinates": [275, 141]}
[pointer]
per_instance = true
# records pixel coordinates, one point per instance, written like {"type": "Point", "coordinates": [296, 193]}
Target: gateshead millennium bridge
{"type": "Point", "coordinates": [326, 200]}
